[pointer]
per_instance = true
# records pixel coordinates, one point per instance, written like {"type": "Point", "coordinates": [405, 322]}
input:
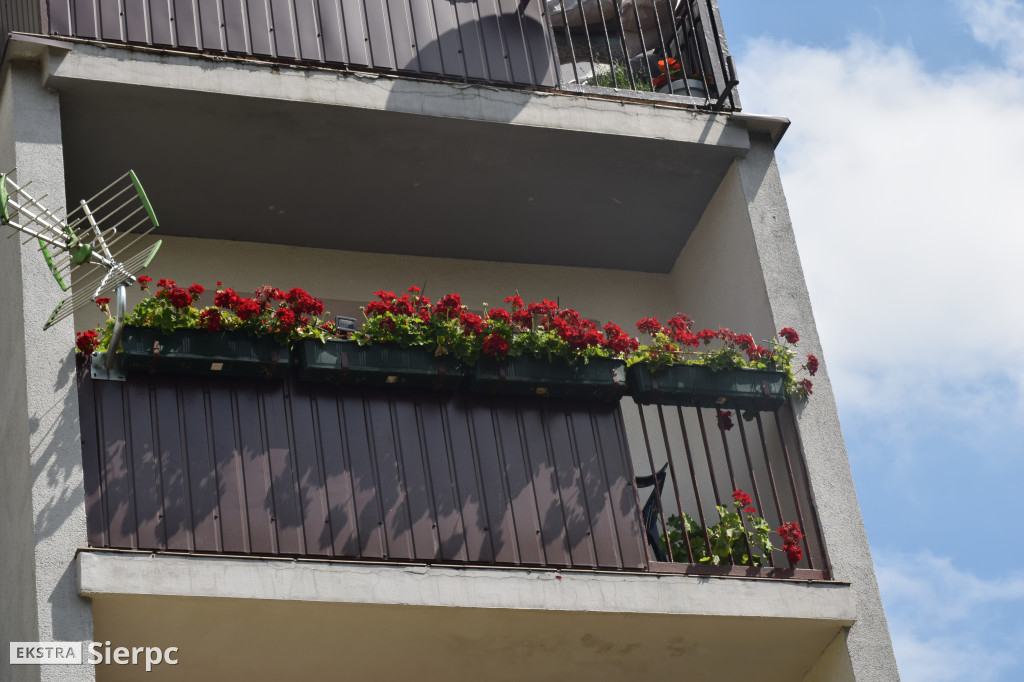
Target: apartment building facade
{"type": "Point", "coordinates": [595, 154]}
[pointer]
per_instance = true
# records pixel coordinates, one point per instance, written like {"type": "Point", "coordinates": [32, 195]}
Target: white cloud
{"type": "Point", "coordinates": [949, 624]}
{"type": "Point", "coordinates": [998, 24]}
{"type": "Point", "coordinates": [905, 189]}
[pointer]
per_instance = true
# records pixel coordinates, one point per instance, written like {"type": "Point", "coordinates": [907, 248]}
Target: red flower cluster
{"type": "Point", "coordinates": [743, 498]}
{"type": "Point", "coordinates": [302, 303]}
{"type": "Point", "coordinates": [87, 341]}
{"type": "Point", "coordinates": [210, 319]}
{"type": "Point", "coordinates": [178, 296]}
{"type": "Point", "coordinates": [789, 334]}
{"type": "Point", "coordinates": [577, 331]}
{"type": "Point", "coordinates": [495, 346]}
{"type": "Point", "coordinates": [724, 420]}
{"type": "Point", "coordinates": [618, 341]}
{"type": "Point", "coordinates": [649, 325]}
{"type": "Point", "coordinates": [812, 365]}
{"type": "Point", "coordinates": [805, 385]}
{"type": "Point", "coordinates": [144, 281]}
{"type": "Point", "coordinates": [791, 536]}
{"type": "Point", "coordinates": [400, 305]}
{"type": "Point", "coordinates": [449, 307]}
{"type": "Point", "coordinates": [102, 302]}
{"type": "Point", "coordinates": [472, 324]}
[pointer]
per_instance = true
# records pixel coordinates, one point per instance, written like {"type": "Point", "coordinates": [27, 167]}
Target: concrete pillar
{"type": "Point", "coordinates": [42, 501]}
{"type": "Point", "coordinates": [868, 642]}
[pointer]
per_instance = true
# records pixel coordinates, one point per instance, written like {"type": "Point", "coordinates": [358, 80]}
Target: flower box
{"type": "Point", "coordinates": [197, 351]}
{"type": "Point", "coordinates": [346, 362]}
{"type": "Point", "coordinates": [700, 386]}
{"type": "Point", "coordinates": [598, 379]}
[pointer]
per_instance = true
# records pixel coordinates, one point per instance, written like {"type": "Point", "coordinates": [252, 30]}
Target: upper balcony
{"type": "Point", "coordinates": [643, 49]}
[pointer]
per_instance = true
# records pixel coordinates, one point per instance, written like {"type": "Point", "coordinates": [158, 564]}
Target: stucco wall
{"type": "Point", "coordinates": [868, 642]}
{"type": "Point", "coordinates": [41, 461]}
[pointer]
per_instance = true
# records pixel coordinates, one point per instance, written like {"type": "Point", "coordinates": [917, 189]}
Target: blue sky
{"type": "Point", "coordinates": [903, 174]}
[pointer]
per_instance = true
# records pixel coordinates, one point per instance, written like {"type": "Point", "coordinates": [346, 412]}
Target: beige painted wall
{"type": "Point", "coordinates": [255, 640]}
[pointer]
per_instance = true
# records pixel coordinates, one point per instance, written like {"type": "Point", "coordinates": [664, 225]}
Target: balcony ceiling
{"type": "Point", "coordinates": [259, 640]}
{"type": "Point", "coordinates": [266, 170]}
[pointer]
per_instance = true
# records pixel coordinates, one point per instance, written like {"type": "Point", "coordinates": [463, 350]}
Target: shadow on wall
{"type": "Point", "coordinates": [50, 459]}
{"type": "Point", "coordinates": [513, 48]}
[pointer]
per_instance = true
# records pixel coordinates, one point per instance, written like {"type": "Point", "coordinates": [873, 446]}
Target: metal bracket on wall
{"type": "Point", "coordinates": [111, 369]}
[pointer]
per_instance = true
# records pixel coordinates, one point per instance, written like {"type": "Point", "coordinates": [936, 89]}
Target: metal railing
{"type": "Point", "coordinates": [623, 48]}
{"type": "Point", "coordinates": [692, 460]}
{"type": "Point", "coordinates": [671, 47]}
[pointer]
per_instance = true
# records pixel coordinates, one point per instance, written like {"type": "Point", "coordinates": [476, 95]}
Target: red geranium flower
{"type": "Point", "coordinates": [449, 306]}
{"type": "Point", "coordinates": [166, 283]}
{"type": "Point", "coordinates": [495, 345]}
{"type": "Point", "coordinates": [87, 341]}
{"type": "Point", "coordinates": [500, 315]}
{"type": "Point", "coordinates": [743, 498]}
{"type": "Point", "coordinates": [210, 319]}
{"type": "Point", "coordinates": [102, 301]}
{"type": "Point", "coordinates": [649, 325]}
{"type": "Point", "coordinates": [725, 422]}
{"type": "Point", "coordinates": [789, 334]}
{"type": "Point", "coordinates": [246, 308]}
{"type": "Point", "coordinates": [179, 298]}
{"type": "Point", "coordinates": [806, 385]}
{"type": "Point", "coordinates": [812, 364]}
{"type": "Point", "coordinates": [143, 281]}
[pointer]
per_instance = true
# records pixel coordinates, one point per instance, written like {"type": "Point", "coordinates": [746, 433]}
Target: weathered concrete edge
{"type": "Point", "coordinates": [494, 104]}
{"type": "Point", "coordinates": [108, 573]}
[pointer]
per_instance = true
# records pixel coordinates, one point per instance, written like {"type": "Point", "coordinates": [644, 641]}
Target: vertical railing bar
{"type": "Point", "coordinates": [622, 37]}
{"type": "Point", "coordinates": [792, 482]}
{"type": "Point", "coordinates": [771, 473]}
{"type": "Point", "coordinates": [608, 44]}
{"type": "Point", "coordinates": [711, 43]}
{"type": "Point", "coordinates": [590, 46]}
{"type": "Point", "coordinates": [753, 478]}
{"type": "Point", "coordinates": [675, 36]}
{"type": "Point", "coordinates": [657, 487]}
{"type": "Point", "coordinates": [664, 47]}
{"type": "Point", "coordinates": [552, 46]}
{"type": "Point", "coordinates": [711, 468]}
{"type": "Point", "coordinates": [722, 48]}
{"type": "Point", "coordinates": [814, 510]}
{"type": "Point", "coordinates": [732, 480]}
{"type": "Point", "coordinates": [707, 454]}
{"type": "Point", "coordinates": [572, 48]}
{"type": "Point", "coordinates": [693, 479]}
{"type": "Point", "coordinates": [696, 49]}
{"type": "Point", "coordinates": [643, 43]}
{"type": "Point", "coordinates": [675, 483]}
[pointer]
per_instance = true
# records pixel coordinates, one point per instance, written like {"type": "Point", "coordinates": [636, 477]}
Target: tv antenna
{"type": "Point", "coordinates": [95, 247]}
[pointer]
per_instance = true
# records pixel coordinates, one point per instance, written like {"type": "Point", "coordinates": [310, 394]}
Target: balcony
{"type": "Point", "coordinates": [596, 47]}
{"type": "Point", "coordinates": [211, 465]}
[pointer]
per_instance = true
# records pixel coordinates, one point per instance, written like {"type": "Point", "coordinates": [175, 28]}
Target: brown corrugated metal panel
{"type": "Point", "coordinates": [502, 41]}
{"type": "Point", "coordinates": [288, 468]}
{"type": "Point", "coordinates": [25, 16]}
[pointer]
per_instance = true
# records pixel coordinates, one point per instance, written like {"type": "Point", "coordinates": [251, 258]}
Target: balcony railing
{"type": "Point", "coordinates": [287, 468]}
{"type": "Point", "coordinates": [649, 49]}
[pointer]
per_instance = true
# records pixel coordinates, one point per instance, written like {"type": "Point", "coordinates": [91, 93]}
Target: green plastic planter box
{"type": "Point", "coordinates": [197, 351]}
{"type": "Point", "coordinates": [698, 386]}
{"type": "Point", "coordinates": [598, 379]}
{"type": "Point", "coordinates": [346, 362]}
